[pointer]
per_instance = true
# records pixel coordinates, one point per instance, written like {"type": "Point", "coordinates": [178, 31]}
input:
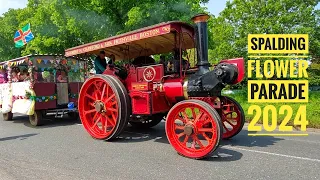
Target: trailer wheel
{"type": "Point", "coordinates": [232, 116]}
{"type": "Point", "coordinates": [37, 118]}
{"type": "Point", "coordinates": [7, 116]}
{"type": "Point", "coordinates": [148, 122]}
{"type": "Point", "coordinates": [186, 132]}
{"type": "Point", "coordinates": [103, 107]}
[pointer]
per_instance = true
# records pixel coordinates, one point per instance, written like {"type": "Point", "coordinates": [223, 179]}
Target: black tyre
{"type": "Point", "coordinates": [37, 118]}
{"type": "Point", "coordinates": [7, 116]}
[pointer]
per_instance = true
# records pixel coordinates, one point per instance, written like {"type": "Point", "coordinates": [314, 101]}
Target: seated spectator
{"type": "Point", "coordinates": [15, 74]}
{"type": "Point", "coordinates": [3, 76]}
{"type": "Point", "coordinates": [63, 77]}
{"type": "Point", "coordinates": [24, 75]}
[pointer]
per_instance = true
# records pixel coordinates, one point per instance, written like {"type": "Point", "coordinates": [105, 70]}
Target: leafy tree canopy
{"type": "Point", "coordinates": [61, 24]}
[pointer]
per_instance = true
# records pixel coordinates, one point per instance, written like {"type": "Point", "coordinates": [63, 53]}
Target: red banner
{"type": "Point", "coordinates": [121, 40]}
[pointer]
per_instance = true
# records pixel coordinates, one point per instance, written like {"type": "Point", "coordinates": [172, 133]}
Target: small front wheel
{"type": "Point", "coordinates": [36, 119]}
{"type": "Point", "coordinates": [194, 128]}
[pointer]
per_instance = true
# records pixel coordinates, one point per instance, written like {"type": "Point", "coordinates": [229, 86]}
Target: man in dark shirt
{"type": "Point", "coordinates": [100, 63]}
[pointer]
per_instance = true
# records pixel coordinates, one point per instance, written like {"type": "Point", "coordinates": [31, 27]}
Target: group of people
{"type": "Point", "coordinates": [17, 75]}
{"type": "Point", "coordinates": [101, 63]}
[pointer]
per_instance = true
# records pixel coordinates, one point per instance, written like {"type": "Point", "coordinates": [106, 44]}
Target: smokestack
{"type": "Point", "coordinates": [202, 42]}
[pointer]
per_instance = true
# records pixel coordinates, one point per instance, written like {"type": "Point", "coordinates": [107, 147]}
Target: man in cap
{"type": "Point", "coordinates": [100, 63]}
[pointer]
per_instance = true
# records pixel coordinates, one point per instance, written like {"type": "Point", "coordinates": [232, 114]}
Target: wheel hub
{"type": "Point", "coordinates": [188, 129]}
{"type": "Point", "coordinates": [99, 106]}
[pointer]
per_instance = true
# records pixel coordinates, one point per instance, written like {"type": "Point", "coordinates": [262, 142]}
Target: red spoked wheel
{"type": "Point", "coordinates": [187, 132]}
{"type": "Point", "coordinates": [103, 107]}
{"type": "Point", "coordinates": [232, 116]}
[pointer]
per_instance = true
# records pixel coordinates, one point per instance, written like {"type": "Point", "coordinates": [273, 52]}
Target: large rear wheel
{"type": "Point", "coordinates": [232, 116]}
{"type": "Point", "coordinates": [103, 107]}
{"type": "Point", "coordinates": [187, 131]}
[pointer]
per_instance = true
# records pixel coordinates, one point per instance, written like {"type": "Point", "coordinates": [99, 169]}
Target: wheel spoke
{"type": "Point", "coordinates": [95, 116]}
{"type": "Point", "coordinates": [225, 127]}
{"type": "Point", "coordinates": [89, 111]}
{"type": "Point", "coordinates": [179, 127]}
{"type": "Point", "coordinates": [206, 130]}
{"type": "Point", "coordinates": [105, 124]}
{"type": "Point", "coordinates": [95, 124]}
{"type": "Point", "coordinates": [206, 137]}
{"type": "Point", "coordinates": [198, 141]}
{"type": "Point", "coordinates": [90, 97]}
{"type": "Point", "coordinates": [114, 118]}
{"type": "Point", "coordinates": [193, 144]}
{"type": "Point", "coordinates": [184, 117]}
{"type": "Point", "coordinates": [227, 121]}
{"type": "Point", "coordinates": [111, 121]}
{"type": "Point", "coordinates": [109, 98]}
{"type": "Point", "coordinates": [198, 117]}
{"type": "Point", "coordinates": [194, 116]}
{"type": "Point", "coordinates": [103, 91]}
{"type": "Point", "coordinates": [97, 88]}
{"type": "Point", "coordinates": [112, 109]}
{"type": "Point", "coordinates": [180, 135]}
{"type": "Point", "coordinates": [185, 140]}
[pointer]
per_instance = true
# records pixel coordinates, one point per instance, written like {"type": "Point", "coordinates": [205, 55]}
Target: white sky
{"type": "Point", "coordinates": [14, 4]}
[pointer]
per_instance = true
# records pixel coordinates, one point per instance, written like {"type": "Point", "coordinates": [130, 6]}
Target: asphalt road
{"type": "Point", "coordinates": [63, 150]}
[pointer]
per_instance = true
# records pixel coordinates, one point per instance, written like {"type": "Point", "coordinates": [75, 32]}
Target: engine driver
{"type": "Point", "coordinates": [100, 63]}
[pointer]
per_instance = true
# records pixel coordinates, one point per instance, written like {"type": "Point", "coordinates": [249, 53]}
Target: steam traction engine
{"type": "Point", "coordinates": [197, 116]}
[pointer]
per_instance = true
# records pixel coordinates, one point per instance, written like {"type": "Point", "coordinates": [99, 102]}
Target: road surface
{"type": "Point", "coordinates": [63, 150]}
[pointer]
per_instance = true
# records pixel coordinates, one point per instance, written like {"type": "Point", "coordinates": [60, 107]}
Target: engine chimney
{"type": "Point", "coordinates": [202, 42]}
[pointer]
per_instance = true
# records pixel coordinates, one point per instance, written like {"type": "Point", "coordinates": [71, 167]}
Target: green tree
{"type": "Point", "coordinates": [229, 31]}
{"type": "Point", "coordinates": [8, 24]}
{"type": "Point", "coordinates": [61, 24]}
{"type": "Point", "coordinates": [242, 17]}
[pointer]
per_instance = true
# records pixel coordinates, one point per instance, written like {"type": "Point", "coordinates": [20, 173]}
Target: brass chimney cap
{"type": "Point", "coordinates": [200, 18]}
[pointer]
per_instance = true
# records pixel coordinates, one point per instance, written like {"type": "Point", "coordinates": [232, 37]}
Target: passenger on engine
{"type": "Point", "coordinates": [3, 76]}
{"type": "Point", "coordinates": [100, 63]}
{"type": "Point", "coordinates": [174, 64]}
{"type": "Point", "coordinates": [111, 60]}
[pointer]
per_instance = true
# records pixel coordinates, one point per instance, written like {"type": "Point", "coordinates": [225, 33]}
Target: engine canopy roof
{"type": "Point", "coordinates": [156, 39]}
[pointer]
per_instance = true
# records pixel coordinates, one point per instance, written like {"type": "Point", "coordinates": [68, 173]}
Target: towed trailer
{"type": "Point", "coordinates": [41, 85]}
{"type": "Point", "coordinates": [188, 98]}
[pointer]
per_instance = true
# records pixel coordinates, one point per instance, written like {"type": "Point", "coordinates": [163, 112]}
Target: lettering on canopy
{"type": "Point", "coordinates": [121, 40]}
